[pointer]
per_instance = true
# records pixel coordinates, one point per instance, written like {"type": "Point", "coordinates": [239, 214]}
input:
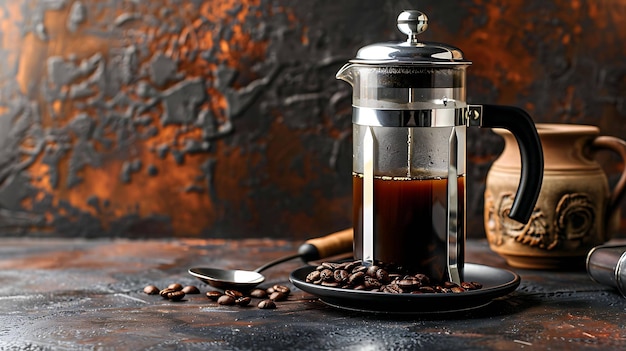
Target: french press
{"type": "Point", "coordinates": [410, 117]}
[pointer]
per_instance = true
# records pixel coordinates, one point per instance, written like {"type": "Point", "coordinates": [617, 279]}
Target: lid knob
{"type": "Point", "coordinates": [412, 23]}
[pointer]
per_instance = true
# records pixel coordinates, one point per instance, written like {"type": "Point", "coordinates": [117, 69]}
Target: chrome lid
{"type": "Point", "coordinates": [412, 51]}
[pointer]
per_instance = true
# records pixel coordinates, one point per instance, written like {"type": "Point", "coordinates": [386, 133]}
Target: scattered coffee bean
{"type": "Point", "coordinates": [381, 277]}
{"type": "Point", "coordinates": [165, 292]}
{"type": "Point", "coordinates": [176, 295]}
{"type": "Point", "coordinates": [258, 293]}
{"type": "Point", "coordinates": [281, 288]}
{"type": "Point", "coordinates": [213, 294]}
{"type": "Point", "coordinates": [278, 296]}
{"type": "Point", "coordinates": [266, 305]}
{"type": "Point", "coordinates": [151, 290]}
{"type": "Point", "coordinates": [190, 289]}
{"type": "Point", "coordinates": [226, 300]}
{"type": "Point", "coordinates": [175, 286]}
{"type": "Point", "coordinates": [172, 294]}
{"type": "Point", "coordinates": [234, 293]}
{"type": "Point", "coordinates": [243, 301]}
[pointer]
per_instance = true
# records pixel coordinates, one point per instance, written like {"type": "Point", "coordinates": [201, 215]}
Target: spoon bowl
{"type": "Point", "coordinates": [228, 278]}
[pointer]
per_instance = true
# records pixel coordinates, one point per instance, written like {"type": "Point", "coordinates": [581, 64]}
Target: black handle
{"type": "Point", "coordinates": [521, 125]}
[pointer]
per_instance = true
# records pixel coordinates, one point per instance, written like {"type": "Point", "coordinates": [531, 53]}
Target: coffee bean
{"type": "Point", "coordinates": [382, 276]}
{"type": "Point", "coordinates": [175, 286]}
{"type": "Point", "coordinates": [331, 284]}
{"type": "Point", "coordinates": [176, 295]}
{"type": "Point", "coordinates": [341, 275]}
{"type": "Point", "coordinates": [214, 294]}
{"type": "Point", "coordinates": [408, 284]}
{"type": "Point", "coordinates": [358, 269]}
{"type": "Point", "coordinates": [327, 275]}
{"type": "Point", "coordinates": [394, 276]}
{"type": "Point", "coordinates": [278, 296]}
{"type": "Point", "coordinates": [330, 265]}
{"type": "Point", "coordinates": [457, 289]}
{"type": "Point", "coordinates": [234, 293]}
{"type": "Point", "coordinates": [266, 305]}
{"type": "Point", "coordinates": [441, 289]}
{"type": "Point", "coordinates": [392, 288]}
{"type": "Point", "coordinates": [313, 276]}
{"type": "Point", "coordinates": [165, 292]}
{"type": "Point", "coordinates": [190, 289]}
{"type": "Point", "coordinates": [477, 285]}
{"type": "Point", "coordinates": [371, 270]}
{"type": "Point", "coordinates": [427, 289]}
{"type": "Point", "coordinates": [449, 285]}
{"type": "Point", "coordinates": [226, 300]}
{"type": "Point", "coordinates": [258, 293]}
{"type": "Point", "coordinates": [467, 286]}
{"type": "Point", "coordinates": [422, 278]}
{"type": "Point", "coordinates": [151, 290]}
{"type": "Point", "coordinates": [371, 283]}
{"type": "Point", "coordinates": [281, 288]}
{"type": "Point", "coordinates": [356, 278]}
{"type": "Point", "coordinates": [243, 301]}
{"type": "Point", "coordinates": [349, 266]}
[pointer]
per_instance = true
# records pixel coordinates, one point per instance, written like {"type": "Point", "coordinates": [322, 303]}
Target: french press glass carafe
{"type": "Point", "coordinates": [410, 117]}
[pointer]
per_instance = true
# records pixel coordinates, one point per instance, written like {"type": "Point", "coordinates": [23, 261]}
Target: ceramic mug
{"type": "Point", "coordinates": [576, 209]}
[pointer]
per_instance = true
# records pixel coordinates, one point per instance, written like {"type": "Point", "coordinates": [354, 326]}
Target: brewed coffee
{"type": "Point", "coordinates": [410, 222]}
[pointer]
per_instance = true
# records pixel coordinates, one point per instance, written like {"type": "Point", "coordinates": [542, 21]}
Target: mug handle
{"type": "Point", "coordinates": [619, 146]}
{"type": "Point", "coordinates": [521, 125]}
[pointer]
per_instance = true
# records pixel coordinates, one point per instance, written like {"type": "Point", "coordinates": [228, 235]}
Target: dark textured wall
{"type": "Point", "coordinates": [223, 118]}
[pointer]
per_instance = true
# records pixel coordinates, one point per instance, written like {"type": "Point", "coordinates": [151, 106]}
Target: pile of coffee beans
{"type": "Point", "coordinates": [269, 296]}
{"type": "Point", "coordinates": [381, 277]}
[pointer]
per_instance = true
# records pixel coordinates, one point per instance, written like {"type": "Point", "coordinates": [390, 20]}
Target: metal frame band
{"type": "Point", "coordinates": [408, 118]}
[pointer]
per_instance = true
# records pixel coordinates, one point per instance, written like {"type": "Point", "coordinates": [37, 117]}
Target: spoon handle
{"type": "Point", "coordinates": [318, 248]}
{"type": "Point", "coordinates": [327, 246]}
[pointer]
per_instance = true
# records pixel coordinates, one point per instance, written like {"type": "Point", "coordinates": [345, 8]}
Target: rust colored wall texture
{"type": "Point", "coordinates": [223, 118]}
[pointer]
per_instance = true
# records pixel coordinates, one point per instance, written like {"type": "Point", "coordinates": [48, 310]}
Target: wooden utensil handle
{"type": "Point", "coordinates": [327, 246]}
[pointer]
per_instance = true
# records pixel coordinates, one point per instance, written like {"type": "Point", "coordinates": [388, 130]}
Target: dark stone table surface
{"type": "Point", "coordinates": [80, 294]}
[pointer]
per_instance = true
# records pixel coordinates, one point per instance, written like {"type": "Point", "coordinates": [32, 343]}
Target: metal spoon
{"type": "Point", "coordinates": [313, 249]}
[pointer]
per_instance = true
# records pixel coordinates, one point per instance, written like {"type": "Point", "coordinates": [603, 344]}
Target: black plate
{"type": "Point", "coordinates": [496, 283]}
